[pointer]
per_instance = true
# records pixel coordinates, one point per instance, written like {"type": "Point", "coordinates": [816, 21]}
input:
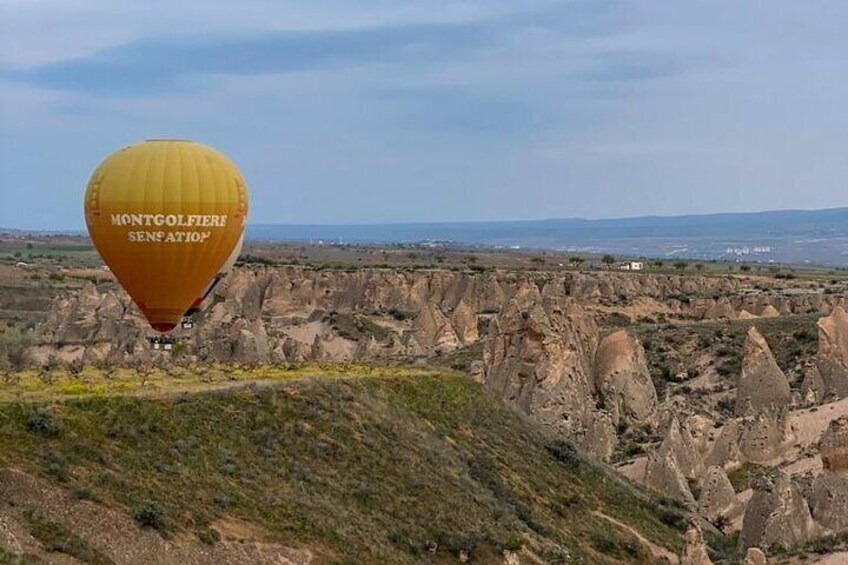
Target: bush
{"type": "Point", "coordinates": [565, 453]}
{"type": "Point", "coordinates": [399, 315]}
{"type": "Point", "coordinates": [511, 543]}
{"type": "Point", "coordinates": [13, 345]}
{"type": "Point", "coordinates": [149, 514]}
{"type": "Point", "coordinates": [209, 536]}
{"type": "Point", "coordinates": [42, 421]}
{"type": "Point", "coordinates": [726, 406]}
{"type": "Point", "coordinates": [673, 518]}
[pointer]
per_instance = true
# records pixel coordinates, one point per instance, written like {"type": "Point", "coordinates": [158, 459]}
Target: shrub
{"type": "Point", "coordinates": [42, 421]}
{"type": "Point", "coordinates": [564, 452]}
{"type": "Point", "coordinates": [673, 518]}
{"type": "Point", "coordinates": [83, 493]}
{"type": "Point", "coordinates": [149, 514]}
{"type": "Point", "coordinates": [209, 536]}
{"type": "Point", "coordinates": [58, 470]}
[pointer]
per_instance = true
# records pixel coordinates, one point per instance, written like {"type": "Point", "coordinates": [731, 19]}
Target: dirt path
{"type": "Point", "coordinates": [840, 558]}
{"type": "Point", "coordinates": [656, 550]}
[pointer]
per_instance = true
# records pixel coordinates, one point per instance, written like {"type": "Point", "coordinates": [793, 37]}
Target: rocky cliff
{"type": "Point", "coordinates": [623, 380]}
{"type": "Point", "coordinates": [539, 357]}
{"type": "Point", "coordinates": [762, 385]}
{"type": "Point", "coordinates": [833, 353]}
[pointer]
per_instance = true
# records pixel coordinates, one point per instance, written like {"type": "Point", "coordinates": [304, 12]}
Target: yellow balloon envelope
{"type": "Point", "coordinates": [165, 215]}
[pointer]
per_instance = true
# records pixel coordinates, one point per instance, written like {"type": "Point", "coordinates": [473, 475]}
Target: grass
{"type": "Point", "coordinates": [741, 478]}
{"type": "Point", "coordinates": [791, 338]}
{"type": "Point", "coordinates": [31, 385]}
{"type": "Point", "coordinates": [9, 558]}
{"type": "Point", "coordinates": [56, 537]}
{"type": "Point", "coordinates": [386, 466]}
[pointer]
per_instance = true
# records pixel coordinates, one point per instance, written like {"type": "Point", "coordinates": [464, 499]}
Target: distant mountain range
{"type": "Point", "coordinates": [792, 236]}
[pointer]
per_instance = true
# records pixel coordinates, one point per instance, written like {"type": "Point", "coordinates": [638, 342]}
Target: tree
{"type": "Point", "coordinates": [537, 260]}
{"type": "Point", "coordinates": [47, 371]}
{"type": "Point", "coordinates": [75, 367]}
{"type": "Point", "coordinates": [680, 265]}
{"type": "Point", "coordinates": [145, 368]}
{"type": "Point", "coordinates": [7, 373]}
{"type": "Point", "coordinates": [744, 268]}
{"type": "Point", "coordinates": [659, 264]}
{"type": "Point", "coordinates": [576, 261]}
{"type": "Point", "coordinates": [608, 260]}
{"type": "Point", "coordinates": [699, 266]}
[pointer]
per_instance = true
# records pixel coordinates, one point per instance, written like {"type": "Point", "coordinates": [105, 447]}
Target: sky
{"type": "Point", "coordinates": [438, 110]}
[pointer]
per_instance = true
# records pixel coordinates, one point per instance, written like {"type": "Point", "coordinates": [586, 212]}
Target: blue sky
{"type": "Point", "coordinates": [413, 110]}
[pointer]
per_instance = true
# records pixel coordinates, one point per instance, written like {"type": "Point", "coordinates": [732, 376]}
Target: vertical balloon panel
{"type": "Point", "coordinates": [165, 215]}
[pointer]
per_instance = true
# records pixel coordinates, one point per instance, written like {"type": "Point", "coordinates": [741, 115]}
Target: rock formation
{"type": "Point", "coordinates": [725, 450]}
{"type": "Point", "coordinates": [769, 312]}
{"type": "Point", "coordinates": [717, 497]}
{"type": "Point", "coordinates": [623, 380]}
{"type": "Point", "coordinates": [663, 474]}
{"type": "Point", "coordinates": [451, 305]}
{"type": "Point", "coordinates": [762, 437]}
{"type": "Point", "coordinates": [680, 442]}
{"type": "Point", "coordinates": [832, 359]}
{"type": "Point", "coordinates": [539, 357]}
{"type": "Point", "coordinates": [755, 556]}
{"type": "Point", "coordinates": [813, 388]}
{"type": "Point", "coordinates": [828, 496]}
{"type": "Point", "coordinates": [695, 550]}
{"type": "Point", "coordinates": [777, 514]}
{"type": "Point", "coordinates": [719, 309]}
{"type": "Point", "coordinates": [762, 384]}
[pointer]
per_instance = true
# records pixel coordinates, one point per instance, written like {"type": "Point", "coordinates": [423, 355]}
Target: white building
{"type": "Point", "coordinates": [632, 266]}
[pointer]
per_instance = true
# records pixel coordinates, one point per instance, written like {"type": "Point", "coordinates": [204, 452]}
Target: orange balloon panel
{"type": "Point", "coordinates": [165, 215]}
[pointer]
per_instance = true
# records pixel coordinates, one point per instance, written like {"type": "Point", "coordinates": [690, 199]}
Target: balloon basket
{"type": "Point", "coordinates": [162, 343]}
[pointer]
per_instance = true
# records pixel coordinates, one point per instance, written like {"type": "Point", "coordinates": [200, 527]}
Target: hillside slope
{"type": "Point", "coordinates": [389, 469]}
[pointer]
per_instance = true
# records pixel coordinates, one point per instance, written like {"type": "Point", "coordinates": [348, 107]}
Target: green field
{"type": "Point", "coordinates": [389, 466]}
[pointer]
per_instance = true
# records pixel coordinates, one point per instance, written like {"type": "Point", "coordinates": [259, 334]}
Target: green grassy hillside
{"type": "Point", "coordinates": [381, 469]}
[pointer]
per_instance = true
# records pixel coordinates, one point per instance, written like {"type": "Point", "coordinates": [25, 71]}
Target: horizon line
{"type": "Point", "coordinates": [4, 229]}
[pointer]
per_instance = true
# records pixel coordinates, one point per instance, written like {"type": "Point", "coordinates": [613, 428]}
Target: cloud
{"type": "Point", "coordinates": [150, 66]}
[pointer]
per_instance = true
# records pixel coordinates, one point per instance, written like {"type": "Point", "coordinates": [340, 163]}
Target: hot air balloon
{"type": "Point", "coordinates": [165, 215]}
